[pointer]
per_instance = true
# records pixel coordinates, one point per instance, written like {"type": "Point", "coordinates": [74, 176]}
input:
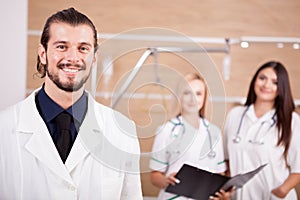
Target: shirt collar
{"type": "Point", "coordinates": [203, 125]}
{"type": "Point", "coordinates": [267, 116]}
{"type": "Point", "coordinates": [79, 108]}
{"type": "Point", "coordinates": [49, 109]}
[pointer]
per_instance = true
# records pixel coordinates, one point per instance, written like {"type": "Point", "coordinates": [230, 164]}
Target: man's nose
{"type": "Point", "coordinates": [72, 55]}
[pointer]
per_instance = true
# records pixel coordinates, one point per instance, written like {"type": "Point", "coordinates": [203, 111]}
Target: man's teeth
{"type": "Point", "coordinates": [70, 70]}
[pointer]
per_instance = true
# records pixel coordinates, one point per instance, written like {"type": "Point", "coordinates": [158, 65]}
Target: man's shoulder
{"type": "Point", "coordinates": [10, 111]}
{"type": "Point", "coordinates": [9, 116]}
{"type": "Point", "coordinates": [108, 110]}
{"type": "Point", "coordinates": [112, 116]}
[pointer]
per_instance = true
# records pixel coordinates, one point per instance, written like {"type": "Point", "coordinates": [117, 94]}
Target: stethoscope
{"type": "Point", "coordinates": [237, 138]}
{"type": "Point", "coordinates": [179, 124]}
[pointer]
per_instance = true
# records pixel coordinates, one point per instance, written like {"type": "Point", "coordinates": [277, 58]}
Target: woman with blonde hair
{"type": "Point", "coordinates": [187, 139]}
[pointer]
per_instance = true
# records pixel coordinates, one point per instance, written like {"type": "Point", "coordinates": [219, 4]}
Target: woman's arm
{"type": "Point", "coordinates": [227, 172]}
{"type": "Point", "coordinates": [223, 195]}
{"type": "Point", "coordinates": [161, 181]}
{"type": "Point", "coordinates": [282, 190]}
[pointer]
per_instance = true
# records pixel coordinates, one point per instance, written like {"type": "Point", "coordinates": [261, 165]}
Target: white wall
{"type": "Point", "coordinates": [13, 40]}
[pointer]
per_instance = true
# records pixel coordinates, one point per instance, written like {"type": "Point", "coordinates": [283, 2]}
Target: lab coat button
{"type": "Point", "coordinates": [71, 187]}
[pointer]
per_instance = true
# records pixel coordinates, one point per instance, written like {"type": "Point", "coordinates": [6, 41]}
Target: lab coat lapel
{"type": "Point", "coordinates": [267, 117]}
{"type": "Point", "coordinates": [88, 138]}
{"type": "Point", "coordinates": [39, 143]}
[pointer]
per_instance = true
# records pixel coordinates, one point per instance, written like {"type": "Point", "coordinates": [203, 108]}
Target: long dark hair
{"type": "Point", "coordinates": [284, 104]}
{"type": "Point", "coordinates": [69, 16]}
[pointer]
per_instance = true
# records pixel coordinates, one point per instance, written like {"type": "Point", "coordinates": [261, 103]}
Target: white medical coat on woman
{"type": "Point", "coordinates": [246, 156]}
{"type": "Point", "coordinates": [103, 162]}
{"type": "Point", "coordinates": [175, 145]}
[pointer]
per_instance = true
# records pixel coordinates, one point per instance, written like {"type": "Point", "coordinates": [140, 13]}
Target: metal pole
{"type": "Point", "coordinates": [191, 49]}
{"type": "Point", "coordinates": [155, 50]}
{"type": "Point", "coordinates": [131, 77]}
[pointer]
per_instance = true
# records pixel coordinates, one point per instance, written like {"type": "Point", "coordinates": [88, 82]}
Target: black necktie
{"type": "Point", "coordinates": [63, 142]}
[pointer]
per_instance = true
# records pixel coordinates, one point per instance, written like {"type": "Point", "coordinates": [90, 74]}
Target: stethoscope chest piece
{"type": "Point", "coordinates": [237, 139]}
{"type": "Point", "coordinates": [212, 154]}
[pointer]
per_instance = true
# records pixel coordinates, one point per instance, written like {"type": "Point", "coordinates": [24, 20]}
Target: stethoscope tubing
{"type": "Point", "coordinates": [237, 137]}
{"type": "Point", "coordinates": [211, 153]}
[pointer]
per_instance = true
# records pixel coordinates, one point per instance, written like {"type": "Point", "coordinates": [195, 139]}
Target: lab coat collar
{"type": "Point", "coordinates": [266, 117]}
{"type": "Point", "coordinates": [203, 123]}
{"type": "Point", "coordinates": [89, 136]}
{"type": "Point", "coordinates": [40, 143]}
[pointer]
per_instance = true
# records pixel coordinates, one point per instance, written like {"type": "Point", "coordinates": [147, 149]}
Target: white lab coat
{"type": "Point", "coordinates": [246, 156]}
{"type": "Point", "coordinates": [103, 162]}
{"type": "Point", "coordinates": [174, 147]}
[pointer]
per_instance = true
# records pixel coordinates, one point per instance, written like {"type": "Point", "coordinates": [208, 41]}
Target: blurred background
{"type": "Point", "coordinates": [225, 41]}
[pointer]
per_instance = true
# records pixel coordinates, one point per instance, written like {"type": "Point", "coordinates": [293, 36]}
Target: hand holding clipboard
{"type": "Point", "coordinates": [200, 184]}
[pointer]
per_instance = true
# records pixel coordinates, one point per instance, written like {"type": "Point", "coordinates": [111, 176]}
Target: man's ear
{"type": "Point", "coordinates": [42, 54]}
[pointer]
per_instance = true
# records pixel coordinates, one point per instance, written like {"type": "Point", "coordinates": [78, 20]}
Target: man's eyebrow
{"type": "Point", "coordinates": [59, 42]}
{"type": "Point", "coordinates": [65, 42]}
{"type": "Point", "coordinates": [85, 43]}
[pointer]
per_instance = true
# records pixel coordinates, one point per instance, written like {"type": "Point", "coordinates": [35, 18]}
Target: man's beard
{"type": "Point", "coordinates": [70, 86]}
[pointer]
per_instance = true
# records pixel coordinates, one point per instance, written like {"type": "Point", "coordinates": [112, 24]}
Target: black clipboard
{"type": "Point", "coordinates": [200, 184]}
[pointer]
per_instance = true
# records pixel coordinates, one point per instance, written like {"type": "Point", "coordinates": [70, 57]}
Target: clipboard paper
{"type": "Point", "coordinates": [200, 184]}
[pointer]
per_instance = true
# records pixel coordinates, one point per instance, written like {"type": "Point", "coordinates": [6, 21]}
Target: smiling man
{"type": "Point", "coordinates": [59, 143]}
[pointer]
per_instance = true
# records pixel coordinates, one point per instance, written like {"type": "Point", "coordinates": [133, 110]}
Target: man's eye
{"type": "Point", "coordinates": [61, 47]}
{"type": "Point", "coordinates": [84, 49]}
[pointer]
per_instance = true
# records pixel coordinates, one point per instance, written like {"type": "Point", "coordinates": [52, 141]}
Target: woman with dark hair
{"type": "Point", "coordinates": [266, 130]}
